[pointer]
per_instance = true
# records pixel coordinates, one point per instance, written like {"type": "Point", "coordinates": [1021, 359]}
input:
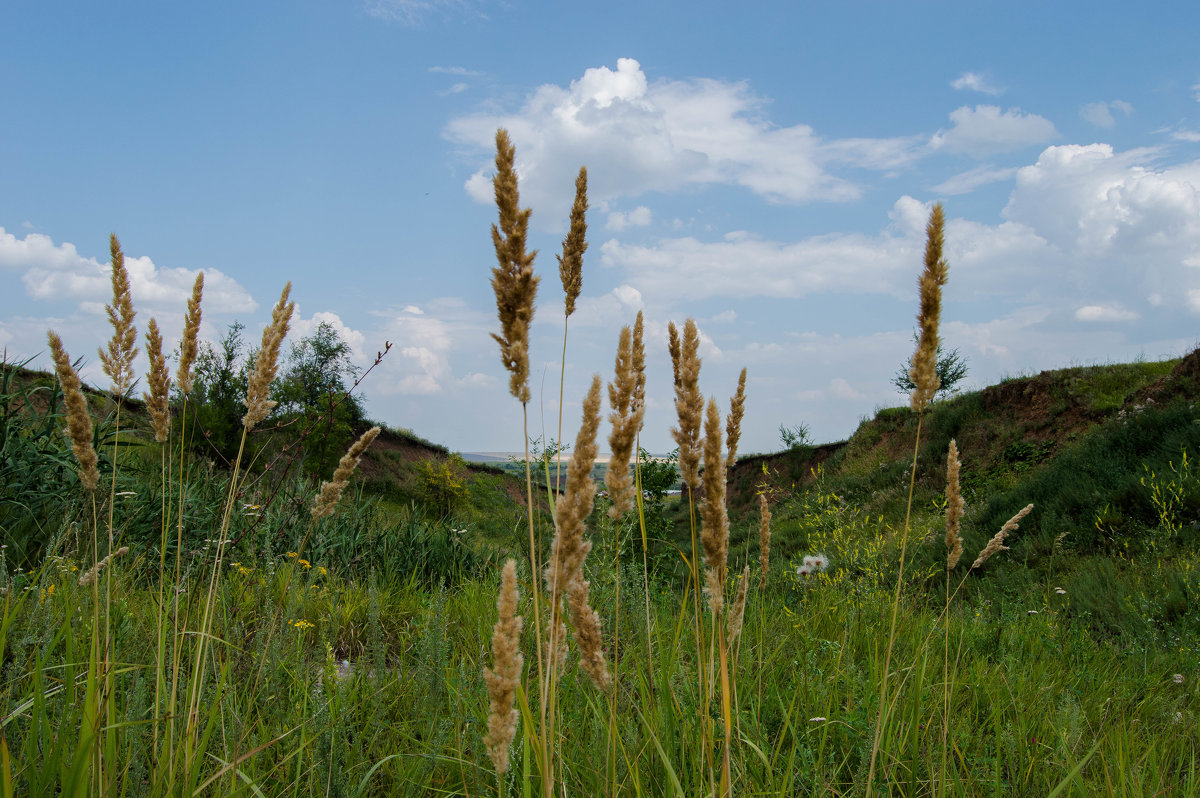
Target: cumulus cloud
{"type": "Point", "coordinates": [1094, 200]}
{"type": "Point", "coordinates": [1105, 313]}
{"type": "Point", "coordinates": [973, 81]}
{"type": "Point", "coordinates": [638, 217]}
{"type": "Point", "coordinates": [52, 271]}
{"type": "Point", "coordinates": [987, 129]}
{"type": "Point", "coordinates": [636, 135]}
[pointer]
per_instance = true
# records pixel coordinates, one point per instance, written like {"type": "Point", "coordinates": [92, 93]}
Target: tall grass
{"type": "Point", "coordinates": [294, 641]}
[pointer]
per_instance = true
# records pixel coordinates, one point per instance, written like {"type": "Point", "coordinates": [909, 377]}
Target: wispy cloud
{"type": "Point", "coordinates": [973, 81]}
{"type": "Point", "coordinates": [966, 182]}
{"type": "Point", "coordinates": [1100, 114]}
{"type": "Point", "coordinates": [414, 12]}
{"type": "Point", "coordinates": [456, 70]}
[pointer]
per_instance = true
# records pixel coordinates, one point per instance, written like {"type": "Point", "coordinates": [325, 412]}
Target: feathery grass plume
{"type": "Point", "coordinates": [673, 347]}
{"type": "Point", "coordinates": [513, 280]}
{"type": "Point", "coordinates": [93, 573]}
{"type": "Point", "coordinates": [689, 404]}
{"type": "Point", "coordinates": [259, 387]}
{"type": "Point", "coordinates": [923, 372]}
{"type": "Point", "coordinates": [954, 508]}
{"type": "Point", "coordinates": [331, 491]}
{"type": "Point", "coordinates": [733, 423]}
{"type": "Point", "coordinates": [764, 539]}
{"type": "Point", "coordinates": [626, 420]}
{"type": "Point", "coordinates": [587, 633]}
{"type": "Point", "coordinates": [997, 542]}
{"type": "Point", "coordinates": [714, 533]}
{"type": "Point", "coordinates": [160, 384]}
{"type": "Point", "coordinates": [79, 423]}
{"type": "Point", "coordinates": [122, 347]}
{"type": "Point", "coordinates": [191, 329]}
{"type": "Point", "coordinates": [503, 681]}
{"type": "Point", "coordinates": [570, 262]}
{"type": "Point", "coordinates": [564, 572]}
{"type": "Point", "coordinates": [639, 367]}
{"type": "Point", "coordinates": [737, 611]}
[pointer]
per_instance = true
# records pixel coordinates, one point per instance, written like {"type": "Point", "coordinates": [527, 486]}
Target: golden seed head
{"type": "Point", "coordinates": [996, 544]}
{"type": "Point", "coordinates": [513, 279]}
{"type": "Point", "coordinates": [733, 423]}
{"type": "Point", "coordinates": [689, 404]}
{"type": "Point", "coordinates": [569, 549]}
{"type": "Point", "coordinates": [331, 491]}
{"type": "Point", "coordinates": [122, 347]}
{"type": "Point", "coordinates": [191, 330]}
{"type": "Point", "coordinates": [507, 660]}
{"type": "Point", "coordinates": [159, 380]}
{"type": "Point", "coordinates": [764, 539]}
{"type": "Point", "coordinates": [570, 263]}
{"type": "Point", "coordinates": [714, 532]}
{"type": "Point", "coordinates": [923, 372]}
{"type": "Point", "coordinates": [79, 423]}
{"type": "Point", "coordinates": [626, 420]}
{"type": "Point", "coordinates": [258, 389]}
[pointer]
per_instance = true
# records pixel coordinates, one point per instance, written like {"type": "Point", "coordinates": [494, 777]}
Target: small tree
{"type": "Point", "coordinates": [951, 370]}
{"type": "Point", "coordinates": [794, 438]}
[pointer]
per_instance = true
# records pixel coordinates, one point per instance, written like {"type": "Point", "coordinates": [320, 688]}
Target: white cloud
{"type": "Point", "coordinates": [355, 339]}
{"type": "Point", "coordinates": [1100, 114]}
{"type": "Point", "coordinates": [456, 70]}
{"type": "Point", "coordinates": [1193, 300]}
{"type": "Point", "coordinates": [688, 269]}
{"type": "Point", "coordinates": [1093, 200]}
{"type": "Point", "coordinates": [1105, 313]}
{"type": "Point", "coordinates": [987, 129]}
{"type": "Point", "coordinates": [457, 88]}
{"type": "Point", "coordinates": [968, 181]}
{"type": "Point", "coordinates": [637, 136]}
{"type": "Point", "coordinates": [1183, 134]}
{"type": "Point", "coordinates": [52, 271]}
{"type": "Point", "coordinates": [414, 12]}
{"type": "Point", "coordinates": [973, 81]}
{"type": "Point", "coordinates": [841, 389]}
{"type": "Point", "coordinates": [638, 217]}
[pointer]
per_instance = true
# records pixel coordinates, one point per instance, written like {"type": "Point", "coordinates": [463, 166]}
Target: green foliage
{"type": "Point", "coordinates": [794, 438]}
{"type": "Point", "coordinates": [951, 370]}
{"type": "Point", "coordinates": [216, 404]}
{"type": "Point", "coordinates": [442, 484]}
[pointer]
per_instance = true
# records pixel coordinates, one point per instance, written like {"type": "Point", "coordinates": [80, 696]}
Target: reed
{"type": "Point", "coordinates": [925, 381]}
{"type": "Point", "coordinates": [505, 676]}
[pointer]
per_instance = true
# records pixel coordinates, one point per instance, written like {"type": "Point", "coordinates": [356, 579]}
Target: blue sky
{"type": "Point", "coordinates": [766, 169]}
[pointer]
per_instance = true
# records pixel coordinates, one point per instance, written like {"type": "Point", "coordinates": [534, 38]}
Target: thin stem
{"type": "Point", "coordinates": [887, 660]}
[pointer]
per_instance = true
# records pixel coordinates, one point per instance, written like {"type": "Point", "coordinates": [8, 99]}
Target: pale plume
{"type": "Point", "coordinates": [996, 544]}
{"type": "Point", "coordinates": [923, 372]}
{"type": "Point", "coordinates": [258, 406]}
{"type": "Point", "coordinates": [191, 330]}
{"type": "Point", "coordinates": [122, 347]}
{"type": "Point", "coordinates": [331, 491]}
{"type": "Point", "coordinates": [513, 279]}
{"type": "Point", "coordinates": [160, 384]}
{"type": "Point", "coordinates": [570, 262]}
{"type": "Point", "coordinates": [79, 422]}
{"type": "Point", "coordinates": [507, 660]}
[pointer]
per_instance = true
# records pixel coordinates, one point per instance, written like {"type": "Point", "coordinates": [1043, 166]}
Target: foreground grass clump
{"type": "Point", "coordinates": [375, 687]}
